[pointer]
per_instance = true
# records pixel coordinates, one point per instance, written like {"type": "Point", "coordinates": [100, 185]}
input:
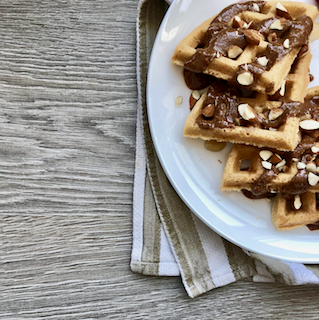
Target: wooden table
{"type": "Point", "coordinates": [67, 143]}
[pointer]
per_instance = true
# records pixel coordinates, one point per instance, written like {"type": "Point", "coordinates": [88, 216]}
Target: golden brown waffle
{"type": "Point", "coordinates": [285, 216]}
{"type": "Point", "coordinates": [244, 166]}
{"type": "Point", "coordinates": [225, 68]}
{"type": "Point", "coordinates": [236, 177]}
{"type": "Point", "coordinates": [285, 138]}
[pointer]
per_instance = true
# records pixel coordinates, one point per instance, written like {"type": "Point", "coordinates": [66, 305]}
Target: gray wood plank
{"type": "Point", "coordinates": [67, 143]}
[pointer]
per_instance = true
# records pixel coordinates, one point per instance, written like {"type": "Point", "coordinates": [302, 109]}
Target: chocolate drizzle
{"type": "Point", "coordinates": [221, 96]}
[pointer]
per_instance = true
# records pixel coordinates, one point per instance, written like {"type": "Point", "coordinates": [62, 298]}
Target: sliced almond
{"type": "Point", "coordinates": [280, 7]}
{"type": "Point", "coordinates": [196, 94]}
{"type": "Point", "coordinates": [265, 154]}
{"type": "Point", "coordinates": [311, 167]}
{"type": "Point", "coordinates": [267, 165]}
{"type": "Point", "coordinates": [281, 11]}
{"type": "Point", "coordinates": [275, 113]}
{"type": "Point", "coordinates": [256, 7]}
{"type": "Point", "coordinates": [276, 25]}
{"type": "Point", "coordinates": [245, 78]}
{"type": "Point", "coordinates": [179, 101]}
{"type": "Point", "coordinates": [295, 159]}
{"type": "Point", "coordinates": [275, 159]}
{"type": "Point", "coordinates": [315, 149]}
{"type": "Point", "coordinates": [283, 89]}
{"type": "Point", "coordinates": [237, 22]}
{"type": "Point", "coordinates": [247, 112]}
{"type": "Point", "coordinates": [208, 111]}
{"type": "Point", "coordinates": [286, 44]}
{"type": "Point", "coordinates": [281, 164]}
{"type": "Point", "coordinates": [309, 124]}
{"type": "Point", "coordinates": [215, 146]}
{"type": "Point", "coordinates": [249, 25]}
{"type": "Point", "coordinates": [312, 179]}
{"type": "Point", "coordinates": [301, 165]}
{"type": "Point", "coordinates": [252, 36]}
{"type": "Point", "coordinates": [263, 61]}
{"type": "Point", "coordinates": [246, 26]}
{"type": "Point", "coordinates": [297, 202]}
{"type": "Point", "coordinates": [234, 51]}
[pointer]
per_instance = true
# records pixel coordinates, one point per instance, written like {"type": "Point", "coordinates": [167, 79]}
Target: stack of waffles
{"type": "Point", "coordinates": [257, 54]}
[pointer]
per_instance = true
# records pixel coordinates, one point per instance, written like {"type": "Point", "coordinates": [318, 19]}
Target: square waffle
{"type": "Point", "coordinates": [285, 137]}
{"type": "Point", "coordinates": [285, 216]}
{"type": "Point", "coordinates": [238, 174]}
{"type": "Point", "coordinates": [219, 64]}
{"type": "Point", "coordinates": [244, 167]}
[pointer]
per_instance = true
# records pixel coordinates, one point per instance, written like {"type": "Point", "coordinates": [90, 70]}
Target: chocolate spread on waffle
{"type": "Point", "coordinates": [225, 103]}
{"type": "Point", "coordinates": [220, 36]}
{"type": "Point", "coordinates": [197, 81]}
{"type": "Point", "coordinates": [303, 153]}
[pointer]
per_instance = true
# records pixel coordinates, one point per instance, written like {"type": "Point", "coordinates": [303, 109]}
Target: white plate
{"type": "Point", "coordinates": [195, 172]}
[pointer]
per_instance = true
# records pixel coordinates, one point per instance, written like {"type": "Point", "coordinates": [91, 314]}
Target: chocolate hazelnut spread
{"type": "Point", "coordinates": [224, 98]}
{"type": "Point", "coordinates": [295, 32]}
{"type": "Point", "coordinates": [303, 153]}
{"type": "Point", "coordinates": [234, 9]}
{"type": "Point", "coordinates": [220, 36]}
{"type": "Point", "coordinates": [297, 185]}
{"type": "Point", "coordinates": [221, 96]}
{"type": "Point", "coordinates": [197, 81]}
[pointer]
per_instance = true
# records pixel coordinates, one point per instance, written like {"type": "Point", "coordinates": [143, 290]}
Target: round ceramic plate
{"type": "Point", "coordinates": [195, 172]}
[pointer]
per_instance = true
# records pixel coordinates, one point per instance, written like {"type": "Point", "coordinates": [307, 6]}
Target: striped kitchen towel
{"type": "Point", "coordinates": [168, 240]}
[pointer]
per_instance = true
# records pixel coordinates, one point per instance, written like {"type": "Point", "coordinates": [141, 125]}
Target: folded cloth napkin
{"type": "Point", "coordinates": [168, 240]}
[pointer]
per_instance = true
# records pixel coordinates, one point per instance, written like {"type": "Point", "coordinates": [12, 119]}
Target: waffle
{"type": "Point", "coordinates": [244, 167]}
{"type": "Point", "coordinates": [267, 80]}
{"type": "Point", "coordinates": [286, 137]}
{"type": "Point", "coordinates": [284, 216]}
{"type": "Point", "coordinates": [236, 177]}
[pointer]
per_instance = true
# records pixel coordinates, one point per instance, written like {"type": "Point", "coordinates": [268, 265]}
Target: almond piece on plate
{"type": "Point", "coordinates": [179, 101]}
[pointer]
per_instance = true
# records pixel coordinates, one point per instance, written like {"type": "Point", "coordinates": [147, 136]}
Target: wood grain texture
{"type": "Point", "coordinates": [67, 142]}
